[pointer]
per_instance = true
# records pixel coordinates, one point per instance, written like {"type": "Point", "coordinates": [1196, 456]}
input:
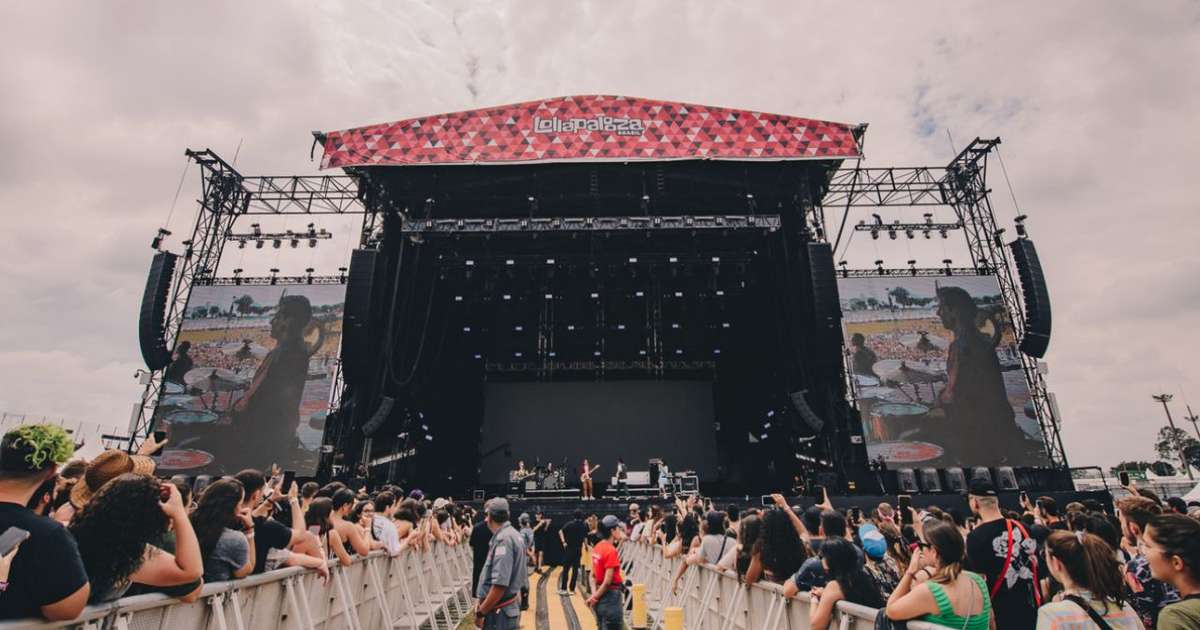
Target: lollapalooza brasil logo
{"type": "Point", "coordinates": [620, 126]}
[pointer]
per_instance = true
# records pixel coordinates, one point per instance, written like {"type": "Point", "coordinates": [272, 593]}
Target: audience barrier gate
{"type": "Point", "coordinates": [713, 599]}
{"type": "Point", "coordinates": [428, 589]}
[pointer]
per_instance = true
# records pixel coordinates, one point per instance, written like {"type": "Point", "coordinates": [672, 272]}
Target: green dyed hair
{"type": "Point", "coordinates": [47, 444]}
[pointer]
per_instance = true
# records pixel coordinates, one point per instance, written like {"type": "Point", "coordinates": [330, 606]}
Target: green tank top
{"type": "Point", "coordinates": [946, 615]}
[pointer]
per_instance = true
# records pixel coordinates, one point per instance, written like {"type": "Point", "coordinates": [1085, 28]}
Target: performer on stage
{"type": "Point", "coordinates": [622, 475]}
{"type": "Point", "coordinates": [585, 479]}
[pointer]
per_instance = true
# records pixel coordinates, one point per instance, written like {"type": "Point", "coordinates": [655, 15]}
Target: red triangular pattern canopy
{"type": "Point", "coordinates": [590, 128]}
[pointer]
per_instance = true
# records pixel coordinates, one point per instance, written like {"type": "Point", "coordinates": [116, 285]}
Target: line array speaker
{"type": "Point", "coordinates": [153, 319]}
{"type": "Point", "coordinates": [381, 415]}
{"type": "Point", "coordinates": [813, 421]}
{"type": "Point", "coordinates": [826, 307]}
{"type": "Point", "coordinates": [357, 329]}
{"type": "Point", "coordinates": [1036, 295]}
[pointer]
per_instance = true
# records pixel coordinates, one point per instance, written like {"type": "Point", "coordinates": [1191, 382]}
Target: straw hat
{"type": "Point", "coordinates": [108, 466]}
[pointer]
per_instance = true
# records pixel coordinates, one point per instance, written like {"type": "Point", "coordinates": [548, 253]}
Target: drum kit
{"type": "Point", "coordinates": [897, 406]}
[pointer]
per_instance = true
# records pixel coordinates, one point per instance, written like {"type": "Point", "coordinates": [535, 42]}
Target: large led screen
{"type": "Point", "coordinates": [937, 372]}
{"type": "Point", "coordinates": [249, 383]}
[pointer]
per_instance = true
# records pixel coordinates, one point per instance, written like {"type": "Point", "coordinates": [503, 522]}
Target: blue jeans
{"type": "Point", "coordinates": [500, 621]}
{"type": "Point", "coordinates": [610, 611]}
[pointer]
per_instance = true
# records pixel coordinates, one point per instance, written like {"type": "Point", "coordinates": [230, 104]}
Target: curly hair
{"type": "Point", "coordinates": [113, 529]}
{"type": "Point", "coordinates": [216, 510]}
{"type": "Point", "coordinates": [34, 448]}
{"type": "Point", "coordinates": [778, 547]}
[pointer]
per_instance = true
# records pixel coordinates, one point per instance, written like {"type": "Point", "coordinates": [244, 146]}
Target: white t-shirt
{"type": "Point", "coordinates": [386, 533]}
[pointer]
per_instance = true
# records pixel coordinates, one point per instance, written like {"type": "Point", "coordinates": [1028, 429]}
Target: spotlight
{"type": "Point", "coordinates": [510, 262]}
{"type": "Point", "coordinates": [720, 293]}
{"type": "Point", "coordinates": [673, 260]}
{"type": "Point", "coordinates": [549, 296]}
{"type": "Point", "coordinates": [518, 328]}
{"type": "Point", "coordinates": [679, 294]}
{"type": "Point", "coordinates": [241, 244]}
{"type": "Point", "coordinates": [675, 326]}
{"type": "Point", "coordinates": [640, 294]}
{"type": "Point", "coordinates": [998, 235]}
{"type": "Point", "coordinates": [912, 267]}
{"type": "Point", "coordinates": [946, 262]}
{"type": "Point", "coordinates": [507, 296]}
{"type": "Point", "coordinates": [771, 413]}
{"type": "Point", "coordinates": [466, 329]}
{"type": "Point", "coordinates": [458, 298]}
{"type": "Point", "coordinates": [716, 259]}
{"type": "Point", "coordinates": [258, 244]}
{"type": "Point", "coordinates": [156, 242]}
{"type": "Point", "coordinates": [595, 296]}
{"type": "Point", "coordinates": [879, 266]}
{"type": "Point", "coordinates": [633, 259]}
{"type": "Point", "coordinates": [312, 242]}
{"type": "Point", "coordinates": [470, 263]}
{"type": "Point", "coordinates": [1020, 221]}
{"type": "Point", "coordinates": [724, 324]}
{"type": "Point", "coordinates": [549, 261]}
{"type": "Point", "coordinates": [276, 243]}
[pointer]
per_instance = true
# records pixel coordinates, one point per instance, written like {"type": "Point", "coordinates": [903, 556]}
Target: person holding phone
{"type": "Point", "coordinates": [46, 578]}
{"type": "Point", "coordinates": [270, 534]}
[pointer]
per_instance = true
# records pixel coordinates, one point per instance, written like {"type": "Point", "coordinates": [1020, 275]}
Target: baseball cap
{"type": "Point", "coordinates": [498, 505]}
{"type": "Point", "coordinates": [873, 541]}
{"type": "Point", "coordinates": [440, 503]}
{"type": "Point", "coordinates": [609, 523]}
{"type": "Point", "coordinates": [981, 488]}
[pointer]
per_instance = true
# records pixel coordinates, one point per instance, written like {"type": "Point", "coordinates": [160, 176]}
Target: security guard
{"type": "Point", "coordinates": [504, 573]}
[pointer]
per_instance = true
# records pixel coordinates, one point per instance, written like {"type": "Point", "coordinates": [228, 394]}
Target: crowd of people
{"type": "Point", "coordinates": [1135, 564]}
{"type": "Point", "coordinates": [96, 531]}
{"type": "Point", "coordinates": [74, 533]}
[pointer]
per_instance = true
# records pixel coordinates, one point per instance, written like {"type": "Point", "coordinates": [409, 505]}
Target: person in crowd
{"type": "Point", "coordinates": [608, 583]}
{"type": "Point", "coordinates": [879, 563]}
{"type": "Point", "coordinates": [952, 597]}
{"type": "Point", "coordinates": [778, 552]}
{"type": "Point", "coordinates": [406, 518]}
{"type": "Point", "coordinates": [343, 502]}
{"type": "Point", "coordinates": [480, 541]}
{"type": "Point", "coordinates": [688, 530]}
{"type": "Point", "coordinates": [847, 581]}
{"type": "Point", "coordinates": [734, 513]}
{"type": "Point", "coordinates": [1046, 511]}
{"type": "Point", "coordinates": [383, 528]}
{"type": "Point", "coordinates": [1175, 505]}
{"type": "Point", "coordinates": [105, 467]}
{"type": "Point", "coordinates": [1171, 545]}
{"type": "Point", "coordinates": [749, 530]}
{"type": "Point", "coordinates": [116, 530]}
{"type": "Point", "coordinates": [572, 536]}
{"type": "Point", "coordinates": [667, 530]}
{"type": "Point", "coordinates": [1092, 596]}
{"type": "Point", "coordinates": [812, 572]}
{"type": "Point", "coordinates": [180, 365]}
{"type": "Point", "coordinates": [46, 577]}
{"type": "Point", "coordinates": [1004, 552]}
{"type": "Point", "coordinates": [308, 492]}
{"type": "Point", "coordinates": [711, 547]}
{"type": "Point", "coordinates": [277, 544]}
{"type": "Point", "coordinates": [1148, 596]}
{"type": "Point", "coordinates": [319, 521]}
{"type": "Point", "coordinates": [225, 531]}
{"type": "Point", "coordinates": [363, 517]}
{"type": "Point", "coordinates": [541, 540]}
{"type": "Point", "coordinates": [503, 574]}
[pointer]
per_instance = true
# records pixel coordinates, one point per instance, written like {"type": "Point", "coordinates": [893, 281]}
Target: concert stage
{"type": "Point", "coordinates": [605, 278]}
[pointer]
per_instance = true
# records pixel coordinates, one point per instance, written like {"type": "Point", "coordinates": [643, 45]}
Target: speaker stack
{"type": "Point", "coordinates": [153, 319]}
{"type": "Point", "coordinates": [357, 328]}
{"type": "Point", "coordinates": [1036, 295]}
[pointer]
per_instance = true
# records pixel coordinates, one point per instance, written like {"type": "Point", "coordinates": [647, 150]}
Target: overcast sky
{"type": "Point", "coordinates": [1097, 103]}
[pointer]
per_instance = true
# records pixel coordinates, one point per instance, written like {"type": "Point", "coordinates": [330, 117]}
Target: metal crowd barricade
{"type": "Point", "coordinates": [417, 589]}
{"type": "Point", "coordinates": [713, 599]}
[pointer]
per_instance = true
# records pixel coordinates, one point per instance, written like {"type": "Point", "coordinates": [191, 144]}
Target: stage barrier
{"type": "Point", "coordinates": [416, 589]}
{"type": "Point", "coordinates": [712, 599]}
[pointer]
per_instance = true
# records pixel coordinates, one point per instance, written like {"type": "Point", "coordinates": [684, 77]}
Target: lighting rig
{"type": "Point", "coordinates": [893, 229]}
{"type": "Point", "coordinates": [260, 238]}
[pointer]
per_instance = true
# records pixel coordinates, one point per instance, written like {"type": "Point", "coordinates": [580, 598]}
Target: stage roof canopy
{"type": "Point", "coordinates": [591, 128]}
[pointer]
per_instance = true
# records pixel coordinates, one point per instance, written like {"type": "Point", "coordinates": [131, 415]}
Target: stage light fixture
{"type": "Point", "coordinates": [549, 296]}
{"type": "Point", "coordinates": [998, 235]}
{"type": "Point", "coordinates": [549, 261]}
{"type": "Point", "coordinates": [510, 262]}
{"type": "Point", "coordinates": [458, 298]}
{"type": "Point", "coordinates": [892, 230]}
{"type": "Point", "coordinates": [518, 355]}
{"type": "Point", "coordinates": [312, 242]}
{"type": "Point", "coordinates": [678, 351]}
{"type": "Point", "coordinates": [633, 260]}
{"type": "Point", "coordinates": [640, 294]}
{"type": "Point", "coordinates": [507, 296]}
{"type": "Point", "coordinates": [879, 266]}
{"type": "Point", "coordinates": [908, 233]}
{"type": "Point", "coordinates": [946, 262]}
{"type": "Point", "coordinates": [720, 293]}
{"type": "Point", "coordinates": [276, 243]}
{"type": "Point", "coordinates": [595, 296]}
{"type": "Point", "coordinates": [771, 413]}
{"type": "Point", "coordinates": [258, 244]}
{"type": "Point", "coordinates": [308, 275]}
{"type": "Point", "coordinates": [241, 244]}
{"type": "Point", "coordinates": [571, 327]}
{"type": "Point", "coordinates": [912, 267]}
{"type": "Point", "coordinates": [470, 263]}
{"type": "Point", "coordinates": [673, 259]}
{"type": "Point", "coordinates": [679, 294]}
{"type": "Point", "coordinates": [724, 324]}
{"type": "Point", "coordinates": [766, 425]}
{"type": "Point", "coordinates": [716, 351]}
{"type": "Point", "coordinates": [675, 326]}
{"type": "Point", "coordinates": [156, 242]}
{"type": "Point", "coordinates": [552, 354]}
{"type": "Point", "coordinates": [342, 275]}
{"type": "Point", "coordinates": [478, 356]}
{"type": "Point", "coordinates": [429, 438]}
{"type": "Point", "coordinates": [1020, 221]}
{"type": "Point", "coordinates": [642, 352]}
{"type": "Point", "coordinates": [518, 328]}
{"type": "Point", "coordinates": [466, 329]}
{"type": "Point", "coordinates": [596, 353]}
{"type": "Point", "coordinates": [620, 326]}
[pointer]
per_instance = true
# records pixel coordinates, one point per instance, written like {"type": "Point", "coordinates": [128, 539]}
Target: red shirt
{"type": "Point", "coordinates": [604, 557]}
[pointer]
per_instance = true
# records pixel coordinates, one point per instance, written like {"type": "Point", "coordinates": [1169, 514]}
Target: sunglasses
{"type": "Point", "coordinates": [922, 545]}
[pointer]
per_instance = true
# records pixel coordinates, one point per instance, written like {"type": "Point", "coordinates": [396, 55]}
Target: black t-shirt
{"type": "Point", "coordinates": [574, 533]}
{"type": "Point", "coordinates": [987, 548]}
{"type": "Point", "coordinates": [269, 534]}
{"type": "Point", "coordinates": [46, 569]}
{"type": "Point", "coordinates": [481, 538]}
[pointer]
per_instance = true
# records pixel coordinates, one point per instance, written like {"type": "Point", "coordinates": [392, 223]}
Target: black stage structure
{"type": "Point", "coordinates": [602, 288]}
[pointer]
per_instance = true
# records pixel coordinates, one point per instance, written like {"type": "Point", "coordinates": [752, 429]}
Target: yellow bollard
{"type": "Point", "coordinates": [673, 618]}
{"type": "Point", "coordinates": [638, 620]}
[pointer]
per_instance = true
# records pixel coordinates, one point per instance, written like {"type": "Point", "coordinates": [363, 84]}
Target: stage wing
{"type": "Point", "coordinates": [591, 128]}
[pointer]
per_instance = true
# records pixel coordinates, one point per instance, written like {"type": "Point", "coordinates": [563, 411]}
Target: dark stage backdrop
{"type": "Point", "coordinates": [636, 420]}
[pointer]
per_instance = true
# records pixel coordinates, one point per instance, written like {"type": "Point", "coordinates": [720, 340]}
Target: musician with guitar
{"type": "Point", "coordinates": [518, 477]}
{"type": "Point", "coordinates": [585, 479]}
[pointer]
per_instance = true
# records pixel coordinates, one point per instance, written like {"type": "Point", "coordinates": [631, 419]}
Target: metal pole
{"type": "Point", "coordinates": [1193, 418]}
{"type": "Point", "coordinates": [1164, 399]}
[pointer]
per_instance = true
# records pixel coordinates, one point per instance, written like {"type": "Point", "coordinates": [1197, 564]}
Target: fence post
{"type": "Point", "coordinates": [638, 619]}
{"type": "Point", "coordinates": [673, 618]}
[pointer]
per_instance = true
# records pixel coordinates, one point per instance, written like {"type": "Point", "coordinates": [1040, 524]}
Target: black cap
{"type": "Point", "coordinates": [981, 488]}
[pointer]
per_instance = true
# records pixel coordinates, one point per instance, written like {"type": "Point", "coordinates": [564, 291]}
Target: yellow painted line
{"type": "Point", "coordinates": [528, 619]}
{"type": "Point", "coordinates": [558, 618]}
{"type": "Point", "coordinates": [587, 619]}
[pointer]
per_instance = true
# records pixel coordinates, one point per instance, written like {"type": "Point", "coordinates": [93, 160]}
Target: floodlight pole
{"type": "Point", "coordinates": [1164, 399]}
{"type": "Point", "coordinates": [1193, 418]}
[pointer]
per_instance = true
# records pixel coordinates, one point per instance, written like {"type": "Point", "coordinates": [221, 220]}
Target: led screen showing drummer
{"type": "Point", "coordinates": [249, 382]}
{"type": "Point", "coordinates": [937, 372]}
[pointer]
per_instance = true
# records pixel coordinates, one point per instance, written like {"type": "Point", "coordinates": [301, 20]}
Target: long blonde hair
{"type": "Point", "coordinates": [950, 546]}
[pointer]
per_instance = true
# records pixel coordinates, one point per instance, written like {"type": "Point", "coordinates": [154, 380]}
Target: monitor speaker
{"type": "Point", "coordinates": [906, 478]}
{"type": "Point", "coordinates": [981, 473]}
{"type": "Point", "coordinates": [956, 481]}
{"type": "Point", "coordinates": [930, 481]}
{"type": "Point", "coordinates": [826, 307]}
{"type": "Point", "coordinates": [153, 319]}
{"type": "Point", "coordinates": [806, 413]}
{"type": "Point", "coordinates": [1006, 478]}
{"type": "Point", "coordinates": [379, 417]}
{"type": "Point", "coordinates": [357, 331]}
{"type": "Point", "coordinates": [1037, 298]}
